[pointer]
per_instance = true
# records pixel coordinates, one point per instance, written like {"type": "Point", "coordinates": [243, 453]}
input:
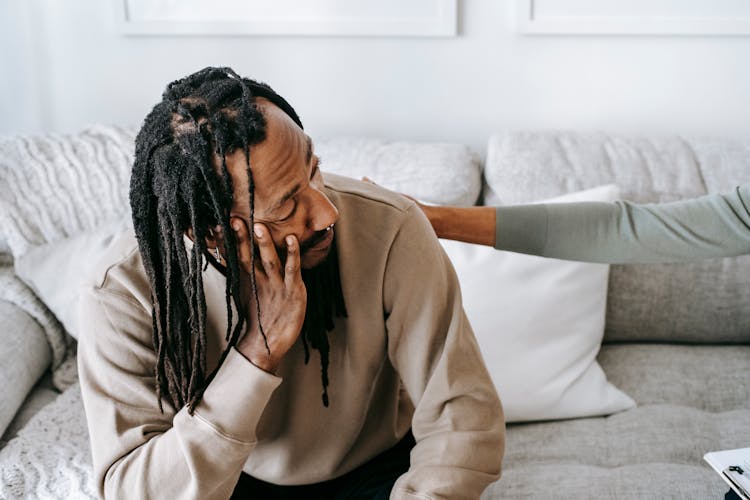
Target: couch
{"type": "Point", "coordinates": [677, 336]}
{"type": "Point", "coordinates": [674, 360]}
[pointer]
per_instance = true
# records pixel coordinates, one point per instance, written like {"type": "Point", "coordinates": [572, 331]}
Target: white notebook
{"type": "Point", "coordinates": [734, 468]}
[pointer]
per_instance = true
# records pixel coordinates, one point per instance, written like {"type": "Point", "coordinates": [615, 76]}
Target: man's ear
{"type": "Point", "coordinates": [214, 234]}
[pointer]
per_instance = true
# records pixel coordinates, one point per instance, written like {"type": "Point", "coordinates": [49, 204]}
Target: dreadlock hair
{"type": "Point", "coordinates": [175, 185]}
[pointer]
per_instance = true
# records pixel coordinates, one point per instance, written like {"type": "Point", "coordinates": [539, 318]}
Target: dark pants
{"type": "Point", "coordinates": [373, 480]}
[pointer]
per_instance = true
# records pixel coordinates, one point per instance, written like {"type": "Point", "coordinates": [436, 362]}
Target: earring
{"type": "Point", "coordinates": [216, 249]}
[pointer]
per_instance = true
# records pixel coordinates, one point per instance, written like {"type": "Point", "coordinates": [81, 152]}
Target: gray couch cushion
{"type": "Point", "coordinates": [40, 396]}
{"type": "Point", "coordinates": [24, 355]}
{"type": "Point", "coordinates": [692, 399]}
{"type": "Point", "coordinates": [440, 173]}
{"type": "Point", "coordinates": [657, 302]}
{"type": "Point", "coordinates": [680, 302]}
{"type": "Point", "coordinates": [583, 482]}
{"type": "Point", "coordinates": [708, 378]}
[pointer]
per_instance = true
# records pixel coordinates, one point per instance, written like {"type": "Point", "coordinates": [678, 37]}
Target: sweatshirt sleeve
{"type": "Point", "coordinates": [458, 420]}
{"type": "Point", "coordinates": [140, 452]}
{"type": "Point", "coordinates": [716, 225]}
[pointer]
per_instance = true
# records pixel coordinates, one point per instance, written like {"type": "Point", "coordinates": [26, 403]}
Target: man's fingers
{"type": "Point", "coordinates": [243, 243]}
{"type": "Point", "coordinates": [292, 269]}
{"type": "Point", "coordinates": [268, 256]}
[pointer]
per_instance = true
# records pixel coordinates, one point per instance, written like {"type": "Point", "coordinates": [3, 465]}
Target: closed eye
{"type": "Point", "coordinates": [286, 217]}
{"type": "Point", "coordinates": [315, 171]}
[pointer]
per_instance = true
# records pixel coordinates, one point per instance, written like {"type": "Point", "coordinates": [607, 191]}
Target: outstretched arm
{"type": "Point", "coordinates": [469, 224]}
{"type": "Point", "coordinates": [716, 225]}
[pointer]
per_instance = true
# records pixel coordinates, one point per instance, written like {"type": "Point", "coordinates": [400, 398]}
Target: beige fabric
{"type": "Point", "coordinates": [405, 356]}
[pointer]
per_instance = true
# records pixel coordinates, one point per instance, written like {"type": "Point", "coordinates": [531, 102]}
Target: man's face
{"type": "Point", "coordinates": [289, 197]}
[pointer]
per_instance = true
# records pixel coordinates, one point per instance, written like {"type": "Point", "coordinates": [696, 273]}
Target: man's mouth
{"type": "Point", "coordinates": [320, 240]}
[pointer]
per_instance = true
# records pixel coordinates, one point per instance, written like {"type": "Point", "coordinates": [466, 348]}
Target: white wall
{"type": "Point", "coordinates": [65, 65]}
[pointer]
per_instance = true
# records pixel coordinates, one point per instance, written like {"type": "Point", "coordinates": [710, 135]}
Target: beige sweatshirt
{"type": "Point", "coordinates": [405, 357]}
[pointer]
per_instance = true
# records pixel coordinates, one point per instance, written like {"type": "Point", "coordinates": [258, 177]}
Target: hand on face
{"type": "Point", "coordinates": [281, 294]}
{"type": "Point", "coordinates": [288, 191]}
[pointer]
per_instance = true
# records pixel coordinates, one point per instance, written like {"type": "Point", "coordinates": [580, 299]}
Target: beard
{"type": "Point", "coordinates": [325, 302]}
{"type": "Point", "coordinates": [315, 239]}
{"type": "Point", "coordinates": [312, 255]}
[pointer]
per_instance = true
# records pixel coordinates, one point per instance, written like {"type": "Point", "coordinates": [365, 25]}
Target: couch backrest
{"type": "Point", "coordinates": [56, 186]}
{"type": "Point", "coordinates": [439, 173]}
{"type": "Point", "coordinates": [704, 301]}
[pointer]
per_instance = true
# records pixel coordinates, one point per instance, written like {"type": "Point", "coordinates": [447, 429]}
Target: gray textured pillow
{"type": "Point", "coordinates": [440, 173]}
{"type": "Point", "coordinates": [656, 302]}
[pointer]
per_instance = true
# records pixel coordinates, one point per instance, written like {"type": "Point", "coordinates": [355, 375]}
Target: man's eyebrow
{"type": "Point", "coordinates": [308, 154]}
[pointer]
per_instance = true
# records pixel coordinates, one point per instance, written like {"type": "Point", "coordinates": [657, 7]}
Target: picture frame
{"type": "Point", "coordinates": [658, 17]}
{"type": "Point", "coordinates": [418, 18]}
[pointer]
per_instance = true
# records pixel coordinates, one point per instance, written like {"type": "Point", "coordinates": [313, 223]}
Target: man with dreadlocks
{"type": "Point", "coordinates": [194, 359]}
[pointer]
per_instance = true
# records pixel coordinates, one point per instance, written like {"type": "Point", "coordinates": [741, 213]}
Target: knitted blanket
{"type": "Point", "coordinates": [50, 457]}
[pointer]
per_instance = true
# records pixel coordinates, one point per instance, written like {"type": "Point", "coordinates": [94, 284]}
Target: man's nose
{"type": "Point", "coordinates": [323, 213]}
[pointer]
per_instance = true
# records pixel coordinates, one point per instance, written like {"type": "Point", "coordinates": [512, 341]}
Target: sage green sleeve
{"type": "Point", "coordinates": [715, 225]}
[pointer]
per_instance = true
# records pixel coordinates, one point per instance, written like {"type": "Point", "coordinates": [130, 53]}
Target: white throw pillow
{"type": "Point", "coordinates": [56, 271]}
{"type": "Point", "coordinates": [539, 323]}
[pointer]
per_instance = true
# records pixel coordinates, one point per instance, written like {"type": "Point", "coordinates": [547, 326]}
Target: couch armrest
{"type": "Point", "coordinates": [24, 356]}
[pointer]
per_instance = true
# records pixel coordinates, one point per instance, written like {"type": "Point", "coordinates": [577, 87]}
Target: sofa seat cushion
{"type": "Point", "coordinates": [692, 399]}
{"type": "Point", "coordinates": [633, 482]}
